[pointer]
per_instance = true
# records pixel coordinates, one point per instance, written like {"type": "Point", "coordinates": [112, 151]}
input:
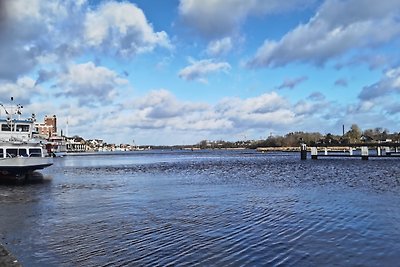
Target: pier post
{"type": "Point", "coordinates": [364, 153]}
{"type": "Point", "coordinates": [314, 153]}
{"type": "Point", "coordinates": [326, 151]}
{"type": "Point", "coordinates": [303, 151]}
{"type": "Point", "coordinates": [351, 151]}
{"type": "Point", "coordinates": [378, 151]}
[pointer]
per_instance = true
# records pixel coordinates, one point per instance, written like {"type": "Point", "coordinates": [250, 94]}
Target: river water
{"type": "Point", "coordinates": [205, 208]}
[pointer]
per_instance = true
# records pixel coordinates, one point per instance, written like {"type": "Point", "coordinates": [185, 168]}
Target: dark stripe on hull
{"type": "Point", "coordinates": [19, 170]}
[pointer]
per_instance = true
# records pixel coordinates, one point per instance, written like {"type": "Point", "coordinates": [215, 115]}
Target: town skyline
{"type": "Point", "coordinates": [181, 71]}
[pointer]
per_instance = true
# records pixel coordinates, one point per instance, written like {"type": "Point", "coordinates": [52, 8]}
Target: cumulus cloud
{"type": "Point", "coordinates": [160, 109]}
{"type": "Point", "coordinates": [219, 47]}
{"type": "Point", "coordinates": [198, 70]}
{"type": "Point", "coordinates": [122, 27]}
{"type": "Point", "coordinates": [265, 110]}
{"type": "Point", "coordinates": [292, 83]}
{"type": "Point", "coordinates": [160, 113]}
{"type": "Point", "coordinates": [19, 47]}
{"type": "Point", "coordinates": [338, 27]}
{"type": "Point", "coordinates": [219, 18]}
{"type": "Point", "coordinates": [390, 83]}
{"type": "Point", "coordinates": [53, 32]}
{"type": "Point", "coordinates": [30, 32]}
{"type": "Point", "coordinates": [161, 104]}
{"type": "Point", "coordinates": [90, 83]}
{"type": "Point", "coordinates": [374, 61]}
{"type": "Point", "coordinates": [23, 90]}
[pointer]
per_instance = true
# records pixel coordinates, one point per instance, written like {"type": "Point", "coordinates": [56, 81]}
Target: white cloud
{"type": "Point", "coordinates": [373, 61]}
{"type": "Point", "coordinates": [160, 110]}
{"type": "Point", "coordinates": [23, 90]}
{"type": "Point", "coordinates": [19, 46]}
{"type": "Point", "coordinates": [159, 117]}
{"type": "Point", "coordinates": [220, 18]}
{"type": "Point", "coordinates": [161, 104]}
{"type": "Point", "coordinates": [53, 32]}
{"type": "Point", "coordinates": [199, 69]}
{"type": "Point", "coordinates": [90, 83]}
{"type": "Point", "coordinates": [123, 28]}
{"type": "Point", "coordinates": [337, 28]}
{"type": "Point", "coordinates": [219, 47]}
{"type": "Point", "coordinates": [389, 84]}
{"type": "Point", "coordinates": [33, 31]}
{"type": "Point", "coordinates": [292, 83]}
{"type": "Point", "coordinates": [262, 111]}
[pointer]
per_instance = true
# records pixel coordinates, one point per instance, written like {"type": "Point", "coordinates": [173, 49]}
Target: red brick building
{"type": "Point", "coordinates": [48, 128]}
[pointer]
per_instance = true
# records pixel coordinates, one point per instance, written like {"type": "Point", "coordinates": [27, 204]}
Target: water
{"type": "Point", "coordinates": [206, 208]}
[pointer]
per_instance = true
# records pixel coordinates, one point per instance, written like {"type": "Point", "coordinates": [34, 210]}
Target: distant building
{"type": "Point", "coordinates": [48, 128]}
{"type": "Point", "coordinates": [76, 144]}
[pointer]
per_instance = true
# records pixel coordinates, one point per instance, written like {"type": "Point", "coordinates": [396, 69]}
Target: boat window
{"type": "Point", "coordinates": [1, 153]}
{"type": "Point", "coordinates": [22, 152]}
{"type": "Point", "coordinates": [6, 128]}
{"type": "Point", "coordinates": [35, 152]}
{"type": "Point", "coordinates": [12, 152]}
{"type": "Point", "coordinates": [22, 128]}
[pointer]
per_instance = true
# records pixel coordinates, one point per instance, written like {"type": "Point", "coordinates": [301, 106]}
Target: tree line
{"type": "Point", "coordinates": [292, 139]}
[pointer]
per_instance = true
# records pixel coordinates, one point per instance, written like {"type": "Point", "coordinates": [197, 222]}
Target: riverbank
{"type": "Point", "coordinates": [7, 259]}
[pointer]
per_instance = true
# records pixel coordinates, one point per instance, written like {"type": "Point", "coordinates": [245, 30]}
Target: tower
{"type": "Point", "coordinates": [51, 124]}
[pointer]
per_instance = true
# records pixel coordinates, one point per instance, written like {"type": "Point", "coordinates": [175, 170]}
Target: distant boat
{"type": "Point", "coordinates": [57, 146]}
{"type": "Point", "coordinates": [20, 153]}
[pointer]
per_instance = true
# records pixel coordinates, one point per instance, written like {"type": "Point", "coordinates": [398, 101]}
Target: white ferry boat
{"type": "Point", "coordinates": [20, 153]}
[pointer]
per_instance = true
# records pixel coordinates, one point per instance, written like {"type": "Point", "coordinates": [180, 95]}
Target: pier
{"type": "Point", "coordinates": [358, 150]}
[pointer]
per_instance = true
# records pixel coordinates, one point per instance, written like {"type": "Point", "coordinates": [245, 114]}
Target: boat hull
{"type": "Point", "coordinates": [23, 165]}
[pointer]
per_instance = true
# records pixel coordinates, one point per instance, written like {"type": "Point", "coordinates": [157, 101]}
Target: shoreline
{"type": "Point", "coordinates": [7, 259]}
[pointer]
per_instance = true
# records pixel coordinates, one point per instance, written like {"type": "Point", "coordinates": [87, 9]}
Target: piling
{"type": "Point", "coordinates": [382, 150]}
{"type": "Point", "coordinates": [303, 152]}
{"type": "Point", "coordinates": [314, 153]}
{"type": "Point", "coordinates": [364, 153]}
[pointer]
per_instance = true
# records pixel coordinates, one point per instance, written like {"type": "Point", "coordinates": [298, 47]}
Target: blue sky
{"type": "Point", "coordinates": [180, 71]}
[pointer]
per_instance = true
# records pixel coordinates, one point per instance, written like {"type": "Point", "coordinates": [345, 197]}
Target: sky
{"type": "Point", "coordinates": [167, 72]}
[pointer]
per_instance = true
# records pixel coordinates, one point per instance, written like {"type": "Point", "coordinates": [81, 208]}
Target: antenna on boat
{"type": "Point", "coordinates": [4, 108]}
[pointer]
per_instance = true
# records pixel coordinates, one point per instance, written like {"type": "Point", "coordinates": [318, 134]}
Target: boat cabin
{"type": "Point", "coordinates": [18, 130]}
{"type": "Point", "coordinates": [20, 151]}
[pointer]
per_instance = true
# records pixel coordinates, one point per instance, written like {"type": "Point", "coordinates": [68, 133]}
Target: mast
{"type": "Point", "coordinates": [11, 117]}
{"type": "Point", "coordinates": [66, 128]}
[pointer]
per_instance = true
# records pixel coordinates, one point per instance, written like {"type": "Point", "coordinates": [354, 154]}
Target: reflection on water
{"type": "Point", "coordinates": [205, 208]}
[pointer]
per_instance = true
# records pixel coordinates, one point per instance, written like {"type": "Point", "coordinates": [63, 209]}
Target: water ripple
{"type": "Point", "coordinates": [206, 209]}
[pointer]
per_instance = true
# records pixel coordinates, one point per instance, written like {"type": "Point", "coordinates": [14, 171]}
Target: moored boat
{"type": "Point", "coordinates": [20, 153]}
{"type": "Point", "coordinates": [19, 158]}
